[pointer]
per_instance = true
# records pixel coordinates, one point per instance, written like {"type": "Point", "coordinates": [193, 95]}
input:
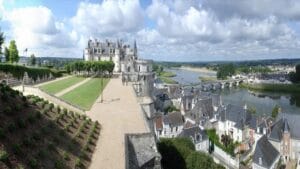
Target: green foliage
{"type": "Point", "coordinates": [179, 153]}
{"type": "Point", "coordinates": [228, 144]}
{"type": "Point", "coordinates": [6, 54]}
{"type": "Point", "coordinates": [199, 160]}
{"type": "Point", "coordinates": [171, 108]}
{"type": "Point", "coordinates": [32, 60]}
{"type": "Point", "coordinates": [275, 111]}
{"type": "Point", "coordinates": [18, 71]}
{"type": "Point", "coordinates": [90, 66]}
{"type": "Point", "coordinates": [33, 163]}
{"type": "Point", "coordinates": [1, 41]}
{"type": "Point", "coordinates": [3, 156]}
{"type": "Point", "coordinates": [225, 70]}
{"type": "Point", "coordinates": [13, 52]}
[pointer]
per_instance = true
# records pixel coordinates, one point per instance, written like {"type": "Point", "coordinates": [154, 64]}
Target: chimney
{"type": "Point", "coordinates": [260, 160]}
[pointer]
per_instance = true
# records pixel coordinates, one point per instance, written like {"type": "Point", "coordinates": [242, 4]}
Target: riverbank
{"type": "Point", "coordinates": [207, 78]}
{"type": "Point", "coordinates": [272, 87]}
{"type": "Point", "coordinates": [166, 77]}
{"type": "Point", "coordinates": [197, 69]}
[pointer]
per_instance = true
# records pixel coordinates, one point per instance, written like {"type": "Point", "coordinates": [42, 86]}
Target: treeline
{"type": "Point", "coordinates": [295, 76]}
{"type": "Point", "coordinates": [18, 71]}
{"type": "Point", "coordinates": [179, 153]}
{"type": "Point", "coordinates": [90, 67]}
{"type": "Point", "coordinates": [226, 70]}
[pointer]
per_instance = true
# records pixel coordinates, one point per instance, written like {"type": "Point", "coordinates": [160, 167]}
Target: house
{"type": "Point", "coordinates": [265, 155]}
{"type": "Point", "coordinates": [238, 123]}
{"type": "Point", "coordinates": [285, 136]}
{"type": "Point", "coordinates": [141, 151]}
{"type": "Point", "coordinates": [169, 125]}
{"type": "Point", "coordinates": [198, 137]}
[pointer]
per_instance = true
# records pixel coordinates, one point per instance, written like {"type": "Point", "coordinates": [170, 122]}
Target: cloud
{"type": "Point", "coordinates": [36, 27]}
{"type": "Point", "coordinates": [108, 18]}
{"type": "Point", "coordinates": [283, 9]}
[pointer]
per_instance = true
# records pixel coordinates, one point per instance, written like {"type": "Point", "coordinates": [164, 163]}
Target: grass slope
{"type": "Point", "coordinates": [86, 94]}
{"type": "Point", "coordinates": [60, 85]}
{"type": "Point", "coordinates": [34, 134]}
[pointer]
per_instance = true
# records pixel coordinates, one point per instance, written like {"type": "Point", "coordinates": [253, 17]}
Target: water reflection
{"type": "Point", "coordinates": [262, 101]}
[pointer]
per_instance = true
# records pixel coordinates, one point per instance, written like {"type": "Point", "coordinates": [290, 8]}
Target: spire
{"type": "Point", "coordinates": [135, 48]}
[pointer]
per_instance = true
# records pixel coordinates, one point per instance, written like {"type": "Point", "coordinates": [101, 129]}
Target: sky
{"type": "Point", "coordinates": [165, 30]}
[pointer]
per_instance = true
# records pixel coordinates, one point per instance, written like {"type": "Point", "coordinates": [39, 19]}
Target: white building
{"type": "Point", "coordinates": [169, 125]}
{"type": "Point", "coordinates": [198, 137]}
{"type": "Point", "coordinates": [121, 54]}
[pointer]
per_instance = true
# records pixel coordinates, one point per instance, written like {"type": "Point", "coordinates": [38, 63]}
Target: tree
{"type": "Point", "coordinates": [13, 52]}
{"type": "Point", "coordinates": [197, 160]}
{"type": "Point", "coordinates": [6, 54]}
{"type": "Point", "coordinates": [1, 43]}
{"type": "Point", "coordinates": [225, 70]}
{"type": "Point", "coordinates": [32, 60]}
{"type": "Point", "coordinates": [275, 111]}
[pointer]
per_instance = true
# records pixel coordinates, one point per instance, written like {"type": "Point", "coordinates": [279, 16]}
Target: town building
{"type": "Point", "coordinates": [238, 123]}
{"type": "Point", "coordinates": [141, 151]}
{"type": "Point", "coordinates": [169, 125]}
{"type": "Point", "coordinates": [198, 137]}
{"type": "Point", "coordinates": [285, 136]}
{"type": "Point", "coordinates": [265, 155]}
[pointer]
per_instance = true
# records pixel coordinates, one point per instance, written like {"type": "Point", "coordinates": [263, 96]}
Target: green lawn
{"type": "Point", "coordinates": [86, 94]}
{"type": "Point", "coordinates": [60, 85]}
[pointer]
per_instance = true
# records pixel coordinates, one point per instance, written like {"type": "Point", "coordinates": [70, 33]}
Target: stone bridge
{"type": "Point", "coordinates": [221, 84]}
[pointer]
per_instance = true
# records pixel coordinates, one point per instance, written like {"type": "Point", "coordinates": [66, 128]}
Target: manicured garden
{"type": "Point", "coordinates": [36, 134]}
{"type": "Point", "coordinates": [86, 94]}
{"type": "Point", "coordinates": [60, 85]}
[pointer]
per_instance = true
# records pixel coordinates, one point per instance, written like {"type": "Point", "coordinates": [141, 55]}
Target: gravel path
{"type": "Point", "coordinates": [120, 113]}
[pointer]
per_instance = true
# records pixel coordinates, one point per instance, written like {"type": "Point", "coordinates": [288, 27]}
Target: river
{"type": "Point", "coordinates": [263, 102]}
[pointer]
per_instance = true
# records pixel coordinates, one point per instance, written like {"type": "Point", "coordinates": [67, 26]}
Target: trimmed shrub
{"type": "Point", "coordinates": [11, 127]}
{"type": "Point", "coordinates": [2, 133]}
{"type": "Point", "coordinates": [78, 163]}
{"type": "Point", "coordinates": [7, 110]}
{"type": "Point", "coordinates": [33, 163]}
{"type": "Point", "coordinates": [16, 148]}
{"type": "Point", "coordinates": [42, 154]}
{"type": "Point", "coordinates": [3, 156]}
{"type": "Point", "coordinates": [28, 142]}
{"type": "Point", "coordinates": [66, 156]}
{"type": "Point", "coordinates": [21, 123]}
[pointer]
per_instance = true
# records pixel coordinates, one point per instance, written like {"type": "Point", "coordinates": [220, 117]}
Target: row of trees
{"type": "Point", "coordinates": [179, 153]}
{"type": "Point", "coordinates": [90, 67]}
{"type": "Point", "coordinates": [11, 53]}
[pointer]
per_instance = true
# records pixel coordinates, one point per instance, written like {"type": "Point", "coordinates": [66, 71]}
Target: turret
{"type": "Point", "coordinates": [135, 49]}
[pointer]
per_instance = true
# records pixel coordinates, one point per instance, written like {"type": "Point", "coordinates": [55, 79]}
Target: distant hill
{"type": "Point", "coordinates": [264, 62]}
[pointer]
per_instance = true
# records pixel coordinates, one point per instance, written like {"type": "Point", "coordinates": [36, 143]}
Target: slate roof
{"type": "Point", "coordinates": [203, 107]}
{"type": "Point", "coordinates": [193, 132]}
{"type": "Point", "coordinates": [141, 151]}
{"type": "Point", "coordinates": [266, 151]}
{"type": "Point", "coordinates": [173, 119]}
{"type": "Point", "coordinates": [237, 114]}
{"type": "Point", "coordinates": [286, 122]}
